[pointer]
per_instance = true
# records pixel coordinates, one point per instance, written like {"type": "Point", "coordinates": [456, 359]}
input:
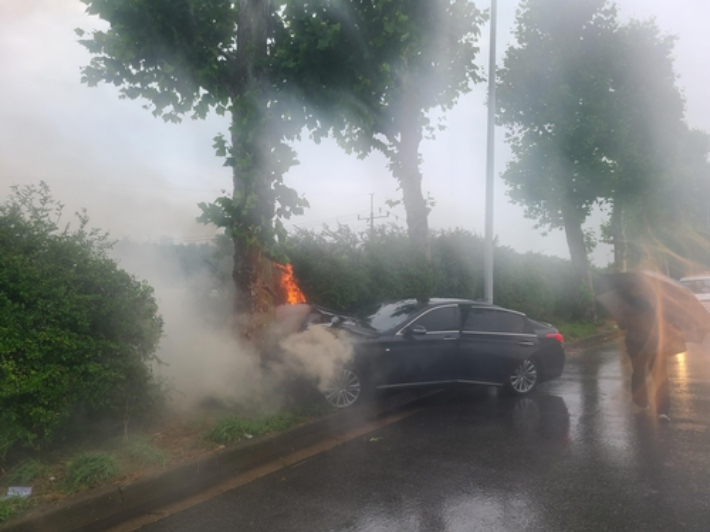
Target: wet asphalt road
{"type": "Point", "coordinates": [572, 457]}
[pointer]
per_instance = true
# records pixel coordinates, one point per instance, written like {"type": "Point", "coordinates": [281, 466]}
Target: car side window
{"type": "Point", "coordinates": [495, 321]}
{"type": "Point", "coordinates": [440, 319]}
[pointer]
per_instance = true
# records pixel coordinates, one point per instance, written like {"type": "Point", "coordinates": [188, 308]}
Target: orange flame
{"type": "Point", "coordinates": [289, 286]}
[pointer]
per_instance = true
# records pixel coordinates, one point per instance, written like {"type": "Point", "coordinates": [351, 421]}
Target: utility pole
{"type": "Point", "coordinates": [372, 216]}
{"type": "Point", "coordinates": [488, 248]}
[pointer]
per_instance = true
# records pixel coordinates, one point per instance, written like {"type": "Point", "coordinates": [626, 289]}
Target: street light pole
{"type": "Point", "coordinates": [488, 247]}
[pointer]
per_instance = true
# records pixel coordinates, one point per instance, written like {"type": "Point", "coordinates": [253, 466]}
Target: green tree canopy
{"type": "Point", "coordinates": [189, 57]}
{"type": "Point", "coordinates": [659, 164]}
{"type": "Point", "coordinates": [368, 71]}
{"type": "Point", "coordinates": [553, 94]}
{"type": "Point", "coordinates": [377, 69]}
{"type": "Point", "coordinates": [595, 117]}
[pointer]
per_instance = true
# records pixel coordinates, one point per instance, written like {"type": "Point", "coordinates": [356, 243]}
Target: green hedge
{"type": "Point", "coordinates": [77, 334]}
{"type": "Point", "coordinates": [348, 272]}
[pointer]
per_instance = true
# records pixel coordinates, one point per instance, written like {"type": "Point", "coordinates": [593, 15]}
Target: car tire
{"type": "Point", "coordinates": [346, 389]}
{"type": "Point", "coordinates": [524, 377]}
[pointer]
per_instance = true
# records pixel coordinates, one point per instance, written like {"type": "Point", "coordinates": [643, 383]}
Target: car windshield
{"type": "Point", "coordinates": [389, 315]}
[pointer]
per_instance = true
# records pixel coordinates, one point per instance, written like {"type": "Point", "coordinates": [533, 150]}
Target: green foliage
{"type": "Point", "coordinates": [576, 330]}
{"type": "Point", "coordinates": [196, 56]}
{"type": "Point", "coordinates": [367, 71]}
{"type": "Point", "coordinates": [595, 117]}
{"type": "Point", "coordinates": [661, 169]}
{"type": "Point", "coordinates": [89, 469]}
{"type": "Point", "coordinates": [553, 95]}
{"type": "Point", "coordinates": [233, 429]}
{"type": "Point", "coordinates": [77, 334]}
{"type": "Point", "coordinates": [142, 452]}
{"type": "Point", "coordinates": [24, 473]}
{"type": "Point", "coordinates": [12, 507]}
{"type": "Point", "coordinates": [369, 63]}
{"type": "Point", "coordinates": [348, 272]}
{"type": "Point", "coordinates": [376, 69]}
{"type": "Point", "coordinates": [344, 270]}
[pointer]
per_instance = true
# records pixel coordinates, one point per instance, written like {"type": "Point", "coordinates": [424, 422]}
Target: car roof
{"type": "Point", "coordinates": [437, 301]}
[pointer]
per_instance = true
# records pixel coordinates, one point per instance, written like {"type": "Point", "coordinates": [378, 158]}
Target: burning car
{"type": "Point", "coordinates": [442, 342]}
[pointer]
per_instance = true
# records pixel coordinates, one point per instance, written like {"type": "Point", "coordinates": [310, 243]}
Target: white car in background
{"type": "Point", "coordinates": [700, 286]}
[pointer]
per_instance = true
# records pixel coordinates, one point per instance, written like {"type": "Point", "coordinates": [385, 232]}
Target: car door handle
{"type": "Point", "coordinates": [449, 338]}
{"type": "Point", "coordinates": [526, 342]}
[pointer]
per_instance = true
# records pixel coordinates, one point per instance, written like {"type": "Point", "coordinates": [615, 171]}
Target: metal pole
{"type": "Point", "coordinates": [488, 248]}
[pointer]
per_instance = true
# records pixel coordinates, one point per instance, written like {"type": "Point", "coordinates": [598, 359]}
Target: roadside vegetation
{"type": "Point", "coordinates": [13, 506]}
{"type": "Point", "coordinates": [77, 334]}
{"type": "Point", "coordinates": [63, 471]}
{"type": "Point", "coordinates": [349, 271]}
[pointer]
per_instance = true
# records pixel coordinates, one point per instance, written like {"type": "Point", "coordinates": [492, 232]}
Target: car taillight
{"type": "Point", "coordinates": [555, 336]}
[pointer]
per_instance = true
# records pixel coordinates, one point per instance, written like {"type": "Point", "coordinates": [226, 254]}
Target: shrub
{"type": "Point", "coordinates": [77, 334]}
{"type": "Point", "coordinates": [144, 453]}
{"type": "Point", "coordinates": [25, 472]}
{"type": "Point", "coordinates": [89, 469]}
{"type": "Point", "coordinates": [12, 506]}
{"type": "Point", "coordinates": [344, 270]}
{"type": "Point", "coordinates": [348, 272]}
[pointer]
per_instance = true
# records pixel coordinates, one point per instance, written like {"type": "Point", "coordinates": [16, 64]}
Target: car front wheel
{"type": "Point", "coordinates": [345, 389]}
{"type": "Point", "coordinates": [524, 377]}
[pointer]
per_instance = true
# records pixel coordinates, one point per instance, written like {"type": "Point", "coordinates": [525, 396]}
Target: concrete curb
{"type": "Point", "coordinates": [111, 505]}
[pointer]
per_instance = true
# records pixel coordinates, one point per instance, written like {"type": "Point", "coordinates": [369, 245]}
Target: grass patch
{"type": "Point", "coordinates": [143, 453]}
{"type": "Point", "coordinates": [89, 469]}
{"type": "Point", "coordinates": [55, 475]}
{"type": "Point", "coordinates": [233, 429]}
{"type": "Point", "coordinates": [25, 472]}
{"type": "Point", "coordinates": [12, 507]}
{"type": "Point", "coordinates": [578, 329]}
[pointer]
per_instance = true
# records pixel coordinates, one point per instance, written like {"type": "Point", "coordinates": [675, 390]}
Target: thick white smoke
{"type": "Point", "coordinates": [315, 353]}
{"type": "Point", "coordinates": [203, 359]}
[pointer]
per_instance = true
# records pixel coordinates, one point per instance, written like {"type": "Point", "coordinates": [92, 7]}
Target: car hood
{"type": "Point", "coordinates": [344, 322]}
{"type": "Point", "coordinates": [357, 330]}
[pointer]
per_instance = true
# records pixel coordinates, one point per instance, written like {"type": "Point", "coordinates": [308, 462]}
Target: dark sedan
{"type": "Point", "coordinates": [442, 342]}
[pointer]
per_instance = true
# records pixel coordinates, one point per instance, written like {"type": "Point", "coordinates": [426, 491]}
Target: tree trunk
{"type": "Point", "coordinates": [580, 264]}
{"type": "Point", "coordinates": [410, 178]}
{"type": "Point", "coordinates": [619, 236]}
{"type": "Point", "coordinates": [252, 273]}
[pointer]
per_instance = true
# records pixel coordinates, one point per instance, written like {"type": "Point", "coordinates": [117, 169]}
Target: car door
{"type": "Point", "coordinates": [491, 341]}
{"type": "Point", "coordinates": [424, 350]}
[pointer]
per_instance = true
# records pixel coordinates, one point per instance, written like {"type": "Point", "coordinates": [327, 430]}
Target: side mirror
{"type": "Point", "coordinates": [415, 330]}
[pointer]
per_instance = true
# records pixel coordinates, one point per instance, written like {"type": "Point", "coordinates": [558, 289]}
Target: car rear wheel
{"type": "Point", "coordinates": [345, 389]}
{"type": "Point", "coordinates": [524, 377]}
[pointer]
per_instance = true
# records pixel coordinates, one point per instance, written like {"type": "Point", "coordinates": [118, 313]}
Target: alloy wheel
{"type": "Point", "coordinates": [524, 378]}
{"type": "Point", "coordinates": [344, 389]}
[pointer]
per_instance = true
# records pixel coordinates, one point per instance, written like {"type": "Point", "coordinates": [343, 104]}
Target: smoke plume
{"type": "Point", "coordinates": [202, 356]}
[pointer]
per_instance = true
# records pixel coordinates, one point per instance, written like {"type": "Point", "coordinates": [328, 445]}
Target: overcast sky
{"type": "Point", "coordinates": [141, 178]}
